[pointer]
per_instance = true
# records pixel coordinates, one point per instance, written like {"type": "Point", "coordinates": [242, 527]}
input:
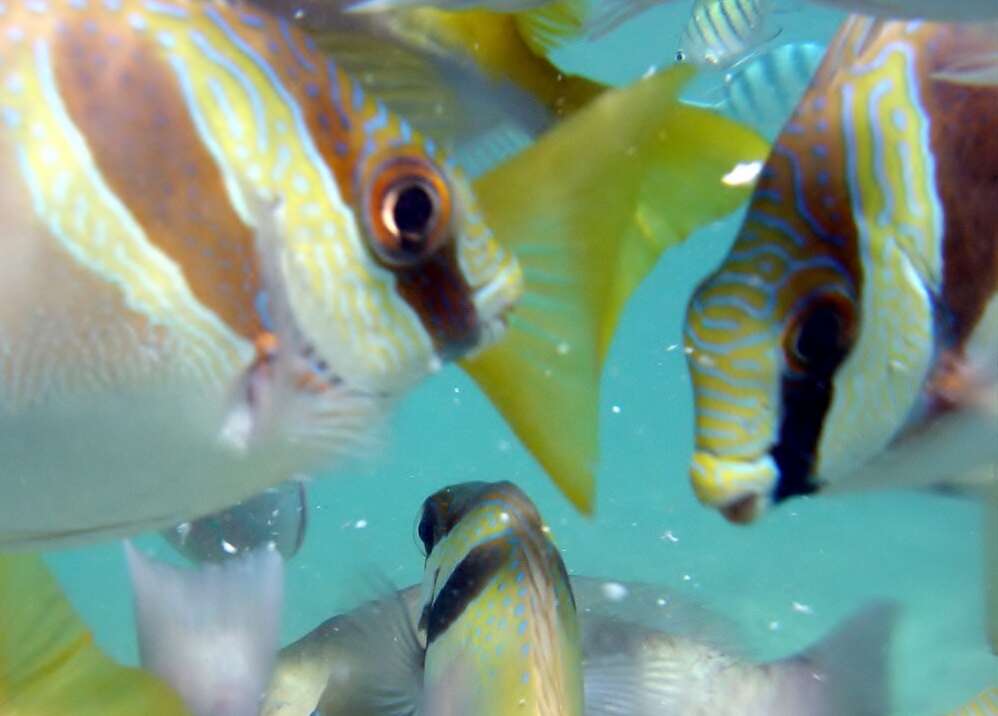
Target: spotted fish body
{"type": "Point", "coordinates": [196, 205]}
{"type": "Point", "coordinates": [865, 270]}
{"type": "Point", "coordinates": [498, 610]}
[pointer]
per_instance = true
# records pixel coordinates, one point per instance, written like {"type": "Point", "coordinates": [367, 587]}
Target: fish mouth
{"type": "Point", "coordinates": [741, 490]}
{"type": "Point", "coordinates": [494, 301]}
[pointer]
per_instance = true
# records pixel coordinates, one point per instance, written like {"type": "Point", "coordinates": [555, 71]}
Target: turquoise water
{"type": "Point", "coordinates": [785, 582]}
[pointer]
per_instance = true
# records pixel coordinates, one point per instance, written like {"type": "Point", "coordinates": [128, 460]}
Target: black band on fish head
{"type": "Point", "coordinates": [816, 341]}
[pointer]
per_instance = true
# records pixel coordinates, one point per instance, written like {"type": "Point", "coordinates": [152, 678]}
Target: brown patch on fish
{"type": "Point", "coordinates": [129, 106]}
{"type": "Point", "coordinates": [965, 145]}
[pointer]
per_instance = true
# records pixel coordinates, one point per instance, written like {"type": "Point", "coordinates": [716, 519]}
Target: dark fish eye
{"type": "Point", "coordinates": [408, 211]}
{"type": "Point", "coordinates": [818, 338]}
{"type": "Point", "coordinates": [425, 530]}
{"type": "Point", "coordinates": [680, 56]}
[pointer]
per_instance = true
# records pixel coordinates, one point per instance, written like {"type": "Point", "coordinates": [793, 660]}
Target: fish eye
{"type": "Point", "coordinates": [425, 530]}
{"type": "Point", "coordinates": [818, 337]}
{"type": "Point", "coordinates": [408, 211]}
{"type": "Point", "coordinates": [680, 56]}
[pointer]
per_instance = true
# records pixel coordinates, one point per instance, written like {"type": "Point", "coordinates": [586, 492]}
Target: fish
{"type": "Point", "coordinates": [497, 630]}
{"type": "Point", "coordinates": [210, 633]}
{"type": "Point", "coordinates": [958, 11]}
{"type": "Point", "coordinates": [985, 704]}
{"type": "Point", "coordinates": [230, 279]}
{"type": "Point", "coordinates": [49, 662]}
{"type": "Point", "coordinates": [492, 86]}
{"type": "Point", "coordinates": [641, 648]}
{"type": "Point", "coordinates": [276, 516]}
{"type": "Point", "coordinates": [762, 90]}
{"type": "Point", "coordinates": [849, 339]}
{"type": "Point", "coordinates": [721, 32]}
{"type": "Point", "coordinates": [850, 330]}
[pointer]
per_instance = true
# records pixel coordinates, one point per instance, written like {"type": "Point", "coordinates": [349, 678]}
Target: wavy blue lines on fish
{"type": "Point", "coordinates": [851, 335]}
{"type": "Point", "coordinates": [222, 262]}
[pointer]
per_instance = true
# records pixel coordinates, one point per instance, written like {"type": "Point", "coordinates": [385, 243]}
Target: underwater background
{"type": "Point", "coordinates": [785, 582]}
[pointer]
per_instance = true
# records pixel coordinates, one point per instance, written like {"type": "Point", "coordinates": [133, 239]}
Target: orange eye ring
{"type": "Point", "coordinates": [819, 335]}
{"type": "Point", "coordinates": [408, 211]}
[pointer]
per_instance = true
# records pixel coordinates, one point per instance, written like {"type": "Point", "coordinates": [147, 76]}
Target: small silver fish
{"type": "Point", "coordinates": [276, 516]}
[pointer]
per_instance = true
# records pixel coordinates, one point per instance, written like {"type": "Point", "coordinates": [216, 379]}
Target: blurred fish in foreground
{"type": "Point", "coordinates": [211, 633]}
{"type": "Point", "coordinates": [763, 90]}
{"type": "Point", "coordinates": [640, 650]}
{"type": "Point", "coordinates": [49, 664]}
{"type": "Point", "coordinates": [235, 261]}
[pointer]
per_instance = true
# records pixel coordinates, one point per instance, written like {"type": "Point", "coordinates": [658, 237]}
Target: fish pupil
{"type": "Point", "coordinates": [413, 213]}
{"type": "Point", "coordinates": [426, 530]}
{"type": "Point", "coordinates": [819, 343]}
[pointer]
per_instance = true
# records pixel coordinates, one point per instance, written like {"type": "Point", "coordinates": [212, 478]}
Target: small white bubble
{"type": "Point", "coordinates": [614, 591]}
{"type": "Point", "coordinates": [802, 608]}
{"type": "Point", "coordinates": [228, 547]}
{"type": "Point", "coordinates": [615, 409]}
{"type": "Point", "coordinates": [669, 535]}
{"type": "Point", "coordinates": [672, 347]}
{"type": "Point", "coordinates": [661, 602]}
{"type": "Point", "coordinates": [563, 348]}
{"type": "Point", "coordinates": [504, 516]}
{"type": "Point", "coordinates": [360, 524]}
{"type": "Point", "coordinates": [774, 626]}
{"type": "Point", "coordinates": [687, 577]}
{"type": "Point", "coordinates": [688, 350]}
{"type": "Point", "coordinates": [457, 389]}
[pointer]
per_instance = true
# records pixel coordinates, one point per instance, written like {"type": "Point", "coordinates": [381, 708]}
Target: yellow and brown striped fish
{"type": "Point", "coordinates": [850, 337]}
{"type": "Point", "coordinates": [221, 262]}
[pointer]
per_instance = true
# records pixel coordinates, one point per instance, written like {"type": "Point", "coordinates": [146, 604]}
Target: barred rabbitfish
{"type": "Point", "coordinates": [645, 652]}
{"type": "Point", "coordinates": [497, 631]}
{"type": "Point", "coordinates": [222, 260]}
{"type": "Point", "coordinates": [850, 337]}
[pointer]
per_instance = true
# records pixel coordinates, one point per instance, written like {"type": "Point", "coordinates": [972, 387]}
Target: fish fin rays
{"type": "Point", "coordinates": [380, 634]}
{"type": "Point", "coordinates": [553, 206]}
{"type": "Point", "coordinates": [202, 616]}
{"type": "Point", "coordinates": [851, 663]}
{"type": "Point", "coordinates": [552, 25]}
{"type": "Point", "coordinates": [49, 663]}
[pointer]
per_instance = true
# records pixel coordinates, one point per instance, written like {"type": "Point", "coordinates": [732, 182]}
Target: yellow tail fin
{"type": "Point", "coordinates": [49, 664]}
{"type": "Point", "coordinates": [588, 209]}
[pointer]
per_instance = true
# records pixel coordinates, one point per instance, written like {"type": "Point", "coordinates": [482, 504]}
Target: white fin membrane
{"type": "Point", "coordinates": [210, 633]}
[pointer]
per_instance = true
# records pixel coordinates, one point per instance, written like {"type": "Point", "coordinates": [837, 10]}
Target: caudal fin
{"type": "Point", "coordinates": [49, 664]}
{"type": "Point", "coordinates": [211, 633]}
{"type": "Point", "coordinates": [588, 209]}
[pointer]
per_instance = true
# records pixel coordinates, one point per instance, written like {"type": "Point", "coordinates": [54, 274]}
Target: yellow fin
{"type": "Point", "coordinates": [986, 704]}
{"type": "Point", "coordinates": [552, 25]}
{"type": "Point", "coordinates": [49, 664]}
{"type": "Point", "coordinates": [588, 209]}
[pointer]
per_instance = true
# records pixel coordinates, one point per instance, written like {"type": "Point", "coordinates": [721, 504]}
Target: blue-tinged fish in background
{"type": "Point", "coordinates": [763, 90]}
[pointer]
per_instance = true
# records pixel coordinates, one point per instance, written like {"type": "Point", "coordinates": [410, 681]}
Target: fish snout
{"type": "Point", "coordinates": [741, 490]}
